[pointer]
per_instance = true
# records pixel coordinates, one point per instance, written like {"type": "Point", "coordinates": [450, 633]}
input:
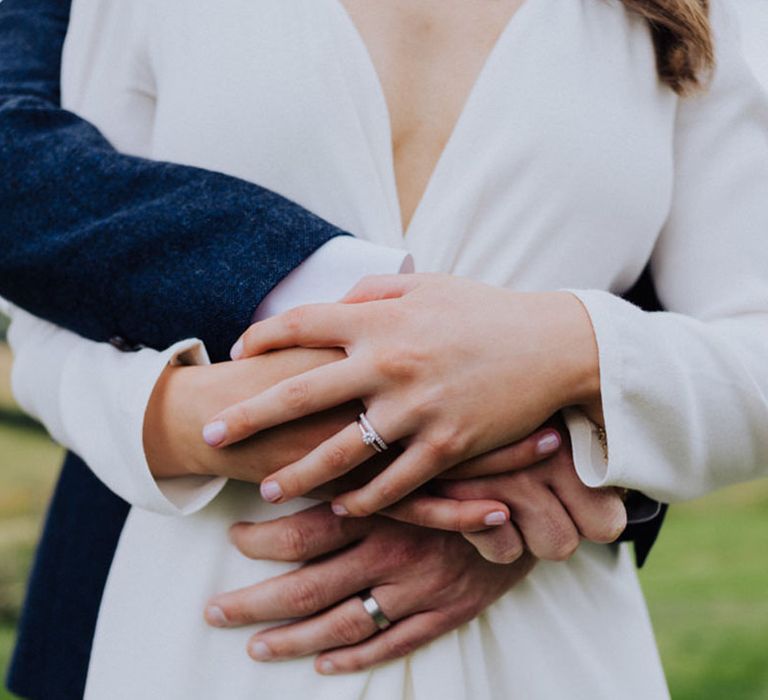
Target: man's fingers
{"type": "Point", "coordinates": [501, 545]}
{"type": "Point", "coordinates": [599, 514]}
{"type": "Point", "coordinates": [296, 594]}
{"type": "Point", "coordinates": [299, 537]}
{"type": "Point", "coordinates": [526, 453]}
{"type": "Point", "coordinates": [547, 528]}
{"type": "Point", "coordinates": [344, 625]}
{"type": "Point", "coordinates": [313, 391]}
{"type": "Point", "coordinates": [398, 641]}
{"type": "Point", "coordinates": [380, 287]}
{"type": "Point", "coordinates": [311, 326]}
{"type": "Point", "coordinates": [449, 514]}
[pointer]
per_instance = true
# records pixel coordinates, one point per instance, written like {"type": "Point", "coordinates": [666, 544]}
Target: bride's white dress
{"type": "Point", "coordinates": [569, 167]}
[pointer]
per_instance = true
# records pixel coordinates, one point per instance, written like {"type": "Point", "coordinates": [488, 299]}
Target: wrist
{"type": "Point", "coordinates": [169, 424]}
{"type": "Point", "coordinates": [580, 360]}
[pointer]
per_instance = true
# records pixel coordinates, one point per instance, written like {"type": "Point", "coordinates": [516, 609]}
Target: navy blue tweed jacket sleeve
{"type": "Point", "coordinates": [107, 244]}
{"type": "Point", "coordinates": [110, 245]}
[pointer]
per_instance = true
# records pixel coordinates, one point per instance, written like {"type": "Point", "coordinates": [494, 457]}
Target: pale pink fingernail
{"type": "Point", "coordinates": [260, 651]}
{"type": "Point", "coordinates": [215, 616]}
{"type": "Point", "coordinates": [214, 433]}
{"type": "Point", "coordinates": [498, 517]}
{"type": "Point", "coordinates": [327, 667]}
{"type": "Point", "coordinates": [271, 491]}
{"type": "Point", "coordinates": [237, 350]}
{"type": "Point", "coordinates": [339, 509]}
{"type": "Point", "coordinates": [548, 444]}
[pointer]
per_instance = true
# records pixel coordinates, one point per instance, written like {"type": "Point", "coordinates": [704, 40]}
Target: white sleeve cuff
{"type": "Point", "coordinates": [330, 272]}
{"type": "Point", "coordinates": [92, 398]}
{"type": "Point", "coordinates": [589, 454]}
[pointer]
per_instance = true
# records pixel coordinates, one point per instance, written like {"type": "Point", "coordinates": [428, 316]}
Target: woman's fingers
{"type": "Point", "coordinates": [311, 326]}
{"type": "Point", "coordinates": [331, 459]}
{"type": "Point", "coordinates": [400, 640]}
{"type": "Point", "coordinates": [344, 625]}
{"type": "Point", "coordinates": [299, 537]}
{"type": "Point", "coordinates": [417, 465]}
{"type": "Point", "coordinates": [307, 393]}
{"type": "Point", "coordinates": [501, 545]}
{"type": "Point", "coordinates": [449, 514]}
{"type": "Point", "coordinates": [380, 287]}
{"type": "Point", "coordinates": [532, 450]}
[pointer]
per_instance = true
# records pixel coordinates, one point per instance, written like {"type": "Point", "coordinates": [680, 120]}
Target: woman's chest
{"type": "Point", "coordinates": [552, 137]}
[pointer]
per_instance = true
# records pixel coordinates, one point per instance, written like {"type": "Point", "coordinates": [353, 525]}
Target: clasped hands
{"type": "Point", "coordinates": [462, 376]}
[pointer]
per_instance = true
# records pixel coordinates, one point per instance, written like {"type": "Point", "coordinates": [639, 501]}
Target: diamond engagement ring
{"type": "Point", "coordinates": [369, 435]}
{"type": "Point", "coordinates": [373, 608]}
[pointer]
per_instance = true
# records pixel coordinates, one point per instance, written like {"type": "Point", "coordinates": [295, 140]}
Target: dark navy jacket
{"type": "Point", "coordinates": [113, 246]}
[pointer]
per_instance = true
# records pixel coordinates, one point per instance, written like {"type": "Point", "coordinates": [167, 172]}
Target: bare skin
{"type": "Point", "coordinates": [415, 45]}
{"type": "Point", "coordinates": [183, 396]}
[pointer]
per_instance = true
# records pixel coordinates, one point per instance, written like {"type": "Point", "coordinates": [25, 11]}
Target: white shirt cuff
{"type": "Point", "coordinates": [330, 272]}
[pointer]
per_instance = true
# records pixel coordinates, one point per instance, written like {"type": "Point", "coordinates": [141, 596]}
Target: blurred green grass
{"type": "Point", "coordinates": [706, 581]}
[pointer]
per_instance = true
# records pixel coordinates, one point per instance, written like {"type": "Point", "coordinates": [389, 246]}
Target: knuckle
{"type": "Point", "coordinates": [506, 552]}
{"type": "Point", "coordinates": [397, 647]}
{"type": "Point", "coordinates": [610, 524]}
{"type": "Point", "coordinates": [296, 395]}
{"type": "Point", "coordinates": [303, 597]}
{"type": "Point", "coordinates": [294, 542]}
{"type": "Point", "coordinates": [345, 631]}
{"type": "Point", "coordinates": [564, 542]}
{"type": "Point", "coordinates": [449, 443]}
{"type": "Point", "coordinates": [395, 364]}
{"type": "Point", "coordinates": [336, 457]}
{"type": "Point", "coordinates": [241, 416]}
{"type": "Point", "coordinates": [294, 319]}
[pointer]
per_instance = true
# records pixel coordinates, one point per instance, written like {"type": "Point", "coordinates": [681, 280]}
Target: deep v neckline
{"type": "Point", "coordinates": [513, 26]}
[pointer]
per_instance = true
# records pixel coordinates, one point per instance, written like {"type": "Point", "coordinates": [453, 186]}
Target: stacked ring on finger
{"type": "Point", "coordinates": [369, 434]}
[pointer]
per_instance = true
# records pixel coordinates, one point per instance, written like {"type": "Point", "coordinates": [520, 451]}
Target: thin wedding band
{"type": "Point", "coordinates": [369, 434]}
{"type": "Point", "coordinates": [373, 608]}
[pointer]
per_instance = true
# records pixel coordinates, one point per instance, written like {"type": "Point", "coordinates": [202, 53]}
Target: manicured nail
{"type": "Point", "coordinates": [237, 350]}
{"type": "Point", "coordinates": [260, 651]}
{"type": "Point", "coordinates": [327, 667]}
{"type": "Point", "coordinates": [215, 616]}
{"type": "Point", "coordinates": [548, 444]}
{"type": "Point", "coordinates": [271, 491]}
{"type": "Point", "coordinates": [339, 509]}
{"type": "Point", "coordinates": [214, 433]}
{"type": "Point", "coordinates": [498, 517]}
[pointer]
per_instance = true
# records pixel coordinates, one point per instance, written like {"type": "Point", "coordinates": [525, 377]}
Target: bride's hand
{"type": "Point", "coordinates": [450, 367]}
{"type": "Point", "coordinates": [427, 583]}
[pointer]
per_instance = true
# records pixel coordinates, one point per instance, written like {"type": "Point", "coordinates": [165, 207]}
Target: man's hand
{"type": "Point", "coordinates": [550, 508]}
{"type": "Point", "coordinates": [427, 583]}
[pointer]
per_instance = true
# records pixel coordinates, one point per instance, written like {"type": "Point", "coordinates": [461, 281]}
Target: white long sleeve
{"type": "Point", "coordinates": [685, 393]}
{"type": "Point", "coordinates": [92, 398]}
